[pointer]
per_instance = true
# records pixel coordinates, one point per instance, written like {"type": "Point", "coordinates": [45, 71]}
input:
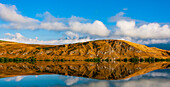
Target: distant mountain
{"type": "Point", "coordinates": [112, 49]}
{"type": "Point", "coordinates": [161, 46]}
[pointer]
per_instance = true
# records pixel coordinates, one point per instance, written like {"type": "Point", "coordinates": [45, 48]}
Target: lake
{"type": "Point", "coordinates": [85, 74]}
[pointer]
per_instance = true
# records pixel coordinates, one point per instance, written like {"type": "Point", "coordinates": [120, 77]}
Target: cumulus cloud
{"type": "Point", "coordinates": [96, 28]}
{"type": "Point", "coordinates": [49, 22]}
{"type": "Point", "coordinates": [20, 38]}
{"type": "Point", "coordinates": [9, 13]}
{"type": "Point", "coordinates": [126, 28]}
{"type": "Point", "coordinates": [52, 26]}
{"type": "Point", "coordinates": [139, 31]}
{"type": "Point", "coordinates": [151, 30]}
{"type": "Point", "coordinates": [72, 35]}
{"type": "Point", "coordinates": [48, 17]}
{"type": "Point", "coordinates": [153, 41]}
{"type": "Point", "coordinates": [118, 17]}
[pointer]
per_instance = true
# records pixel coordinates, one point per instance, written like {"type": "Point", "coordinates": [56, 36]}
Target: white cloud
{"type": "Point", "coordinates": [139, 31]}
{"type": "Point", "coordinates": [52, 26]}
{"type": "Point", "coordinates": [48, 17]}
{"type": "Point", "coordinates": [9, 34]}
{"type": "Point", "coordinates": [153, 41]}
{"type": "Point", "coordinates": [75, 38]}
{"type": "Point", "coordinates": [151, 30]}
{"type": "Point", "coordinates": [118, 17]}
{"type": "Point", "coordinates": [20, 38]}
{"type": "Point", "coordinates": [74, 18]}
{"type": "Point", "coordinates": [9, 13]}
{"type": "Point", "coordinates": [126, 27]}
{"type": "Point", "coordinates": [78, 24]}
{"type": "Point", "coordinates": [125, 8]}
{"type": "Point", "coordinates": [96, 28]}
{"type": "Point", "coordinates": [72, 35]}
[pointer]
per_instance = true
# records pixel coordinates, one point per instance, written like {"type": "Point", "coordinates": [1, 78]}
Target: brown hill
{"type": "Point", "coordinates": [103, 49]}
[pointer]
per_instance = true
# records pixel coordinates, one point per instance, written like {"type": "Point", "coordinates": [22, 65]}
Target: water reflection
{"type": "Point", "coordinates": [102, 70]}
{"type": "Point", "coordinates": [157, 78]}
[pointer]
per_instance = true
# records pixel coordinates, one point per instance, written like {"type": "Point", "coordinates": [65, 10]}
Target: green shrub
{"type": "Point", "coordinates": [118, 59]}
{"type": "Point", "coordinates": [163, 59]}
{"type": "Point", "coordinates": [107, 60]}
{"type": "Point", "coordinates": [167, 60]}
{"type": "Point", "coordinates": [141, 60]}
{"type": "Point", "coordinates": [93, 60]}
{"type": "Point", "coordinates": [62, 60]}
{"type": "Point", "coordinates": [47, 60]}
{"type": "Point", "coordinates": [125, 60]}
{"type": "Point", "coordinates": [157, 60]}
{"type": "Point", "coordinates": [39, 48]}
{"type": "Point", "coordinates": [134, 60]}
{"type": "Point", "coordinates": [73, 60]}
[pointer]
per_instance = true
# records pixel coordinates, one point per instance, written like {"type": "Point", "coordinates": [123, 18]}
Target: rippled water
{"type": "Point", "coordinates": [140, 77]}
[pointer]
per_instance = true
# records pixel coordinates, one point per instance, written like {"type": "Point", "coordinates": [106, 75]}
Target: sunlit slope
{"type": "Point", "coordinates": [112, 49]}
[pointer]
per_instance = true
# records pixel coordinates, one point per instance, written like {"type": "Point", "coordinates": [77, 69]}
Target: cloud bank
{"type": "Point", "coordinates": [17, 21]}
{"type": "Point", "coordinates": [126, 28]}
{"type": "Point", "coordinates": [71, 38]}
{"type": "Point", "coordinates": [140, 31]}
{"type": "Point", "coordinates": [151, 30]}
{"type": "Point", "coordinates": [8, 13]}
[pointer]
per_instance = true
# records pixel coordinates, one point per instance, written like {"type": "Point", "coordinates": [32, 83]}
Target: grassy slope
{"type": "Point", "coordinates": [119, 46]}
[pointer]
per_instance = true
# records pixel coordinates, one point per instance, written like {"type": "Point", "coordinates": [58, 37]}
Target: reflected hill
{"type": "Point", "coordinates": [102, 70]}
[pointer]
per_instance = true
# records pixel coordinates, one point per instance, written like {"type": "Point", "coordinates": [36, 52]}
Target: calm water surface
{"type": "Point", "coordinates": [139, 77]}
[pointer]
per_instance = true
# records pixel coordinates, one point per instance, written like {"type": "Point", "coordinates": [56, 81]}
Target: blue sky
{"type": "Point", "coordinates": [98, 18]}
{"type": "Point", "coordinates": [147, 10]}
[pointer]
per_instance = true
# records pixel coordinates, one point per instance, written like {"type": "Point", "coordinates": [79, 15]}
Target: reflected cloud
{"type": "Point", "coordinates": [144, 83]}
{"type": "Point", "coordinates": [36, 76]}
{"type": "Point", "coordinates": [71, 80]}
{"type": "Point", "coordinates": [158, 78]}
{"type": "Point", "coordinates": [157, 74]}
{"type": "Point", "coordinates": [95, 84]}
{"type": "Point", "coordinates": [17, 79]}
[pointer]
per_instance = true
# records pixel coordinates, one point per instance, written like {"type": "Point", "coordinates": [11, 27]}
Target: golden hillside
{"type": "Point", "coordinates": [103, 49]}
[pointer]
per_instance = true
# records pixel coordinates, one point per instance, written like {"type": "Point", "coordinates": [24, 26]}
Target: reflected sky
{"type": "Point", "coordinates": [157, 78]}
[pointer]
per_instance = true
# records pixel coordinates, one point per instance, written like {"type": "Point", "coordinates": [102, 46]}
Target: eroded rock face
{"type": "Point", "coordinates": [103, 49]}
{"type": "Point", "coordinates": [103, 70]}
